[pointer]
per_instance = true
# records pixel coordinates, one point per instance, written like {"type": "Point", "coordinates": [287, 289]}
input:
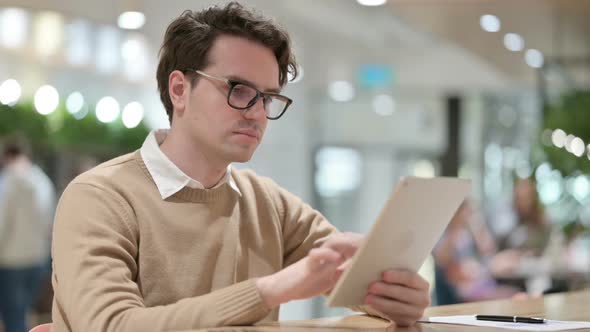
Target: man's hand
{"type": "Point", "coordinates": [344, 243]}
{"type": "Point", "coordinates": [313, 275]}
{"type": "Point", "coordinates": [400, 296]}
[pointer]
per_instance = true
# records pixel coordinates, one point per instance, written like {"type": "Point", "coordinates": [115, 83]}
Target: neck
{"type": "Point", "coordinates": [193, 160]}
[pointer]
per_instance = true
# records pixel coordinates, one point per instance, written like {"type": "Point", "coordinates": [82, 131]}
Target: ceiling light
{"type": "Point", "coordinates": [131, 20]}
{"type": "Point", "coordinates": [578, 147]}
{"type": "Point", "coordinates": [371, 2]}
{"type": "Point", "coordinates": [534, 58]}
{"type": "Point", "coordinates": [74, 102]}
{"type": "Point", "coordinates": [46, 99]}
{"type": "Point", "coordinates": [341, 91]}
{"type": "Point", "coordinates": [513, 42]}
{"type": "Point", "coordinates": [10, 92]}
{"type": "Point", "coordinates": [558, 138]}
{"type": "Point", "coordinates": [107, 109]}
{"type": "Point", "coordinates": [490, 23]}
{"type": "Point", "coordinates": [132, 114]}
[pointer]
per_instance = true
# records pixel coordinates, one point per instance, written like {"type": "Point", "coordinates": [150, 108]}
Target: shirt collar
{"type": "Point", "coordinates": [168, 177]}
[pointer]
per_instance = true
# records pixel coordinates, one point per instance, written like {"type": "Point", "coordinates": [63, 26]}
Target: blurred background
{"type": "Point", "coordinates": [491, 90]}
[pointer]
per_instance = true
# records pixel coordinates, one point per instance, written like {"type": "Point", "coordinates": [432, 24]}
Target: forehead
{"type": "Point", "coordinates": [243, 58]}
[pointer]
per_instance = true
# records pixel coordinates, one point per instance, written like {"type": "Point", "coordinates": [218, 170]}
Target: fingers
{"type": "Point", "coordinates": [401, 295]}
{"type": "Point", "coordinates": [405, 278]}
{"type": "Point", "coordinates": [344, 243]}
{"type": "Point", "coordinates": [411, 296]}
{"type": "Point", "coordinates": [403, 314]}
{"type": "Point", "coordinates": [323, 257]}
{"type": "Point", "coordinates": [344, 266]}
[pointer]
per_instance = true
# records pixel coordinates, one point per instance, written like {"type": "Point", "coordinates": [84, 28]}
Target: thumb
{"type": "Point", "coordinates": [344, 266]}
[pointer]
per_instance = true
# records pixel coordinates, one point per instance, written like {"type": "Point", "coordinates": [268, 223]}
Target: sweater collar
{"type": "Point", "coordinates": [168, 177]}
{"type": "Point", "coordinates": [196, 195]}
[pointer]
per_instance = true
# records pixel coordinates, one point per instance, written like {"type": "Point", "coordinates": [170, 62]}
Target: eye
{"type": "Point", "coordinates": [243, 92]}
{"type": "Point", "coordinates": [239, 89]}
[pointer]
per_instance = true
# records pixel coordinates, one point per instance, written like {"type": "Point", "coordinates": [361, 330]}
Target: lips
{"type": "Point", "coordinates": [249, 132]}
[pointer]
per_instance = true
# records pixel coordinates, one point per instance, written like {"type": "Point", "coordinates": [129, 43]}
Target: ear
{"type": "Point", "coordinates": [178, 89]}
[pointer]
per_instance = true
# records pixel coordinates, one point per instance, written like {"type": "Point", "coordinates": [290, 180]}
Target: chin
{"type": "Point", "coordinates": [240, 154]}
{"type": "Point", "coordinates": [242, 157]}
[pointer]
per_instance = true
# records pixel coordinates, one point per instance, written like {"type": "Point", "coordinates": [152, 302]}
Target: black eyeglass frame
{"type": "Point", "coordinates": [259, 94]}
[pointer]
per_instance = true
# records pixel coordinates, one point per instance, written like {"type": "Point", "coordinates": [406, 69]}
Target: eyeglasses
{"type": "Point", "coordinates": [242, 96]}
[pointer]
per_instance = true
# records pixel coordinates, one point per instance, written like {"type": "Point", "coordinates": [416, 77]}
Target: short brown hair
{"type": "Point", "coordinates": [189, 38]}
{"type": "Point", "coordinates": [15, 145]}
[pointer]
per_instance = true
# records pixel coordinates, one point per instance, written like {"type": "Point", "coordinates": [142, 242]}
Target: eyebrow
{"type": "Point", "coordinates": [243, 80]}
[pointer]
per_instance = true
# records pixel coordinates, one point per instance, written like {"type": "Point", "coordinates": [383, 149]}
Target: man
{"type": "Point", "coordinates": [170, 237]}
{"type": "Point", "coordinates": [27, 201]}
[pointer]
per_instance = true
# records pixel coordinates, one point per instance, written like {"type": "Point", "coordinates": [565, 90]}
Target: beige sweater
{"type": "Point", "coordinates": [126, 260]}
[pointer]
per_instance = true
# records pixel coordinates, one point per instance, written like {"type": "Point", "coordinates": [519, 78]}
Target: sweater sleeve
{"type": "Point", "coordinates": [94, 252]}
{"type": "Point", "coordinates": [303, 227]}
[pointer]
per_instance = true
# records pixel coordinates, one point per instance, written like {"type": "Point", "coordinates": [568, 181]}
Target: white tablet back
{"type": "Point", "coordinates": [410, 224]}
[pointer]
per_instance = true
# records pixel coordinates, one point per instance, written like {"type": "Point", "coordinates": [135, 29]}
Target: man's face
{"type": "Point", "coordinates": [219, 131]}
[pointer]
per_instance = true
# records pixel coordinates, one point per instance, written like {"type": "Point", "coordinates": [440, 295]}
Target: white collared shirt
{"type": "Point", "coordinates": [168, 177]}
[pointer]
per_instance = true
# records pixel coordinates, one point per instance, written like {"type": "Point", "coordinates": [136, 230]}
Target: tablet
{"type": "Point", "coordinates": [409, 225]}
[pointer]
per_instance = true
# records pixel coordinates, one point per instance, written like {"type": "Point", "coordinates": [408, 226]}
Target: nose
{"type": "Point", "coordinates": [255, 111]}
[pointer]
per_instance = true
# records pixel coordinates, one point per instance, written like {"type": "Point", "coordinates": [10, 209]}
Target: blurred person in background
{"type": "Point", "coordinates": [170, 237]}
{"type": "Point", "coordinates": [532, 231]}
{"type": "Point", "coordinates": [461, 258]}
{"type": "Point", "coordinates": [534, 251]}
{"type": "Point", "coordinates": [530, 236]}
{"type": "Point", "coordinates": [27, 200]}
